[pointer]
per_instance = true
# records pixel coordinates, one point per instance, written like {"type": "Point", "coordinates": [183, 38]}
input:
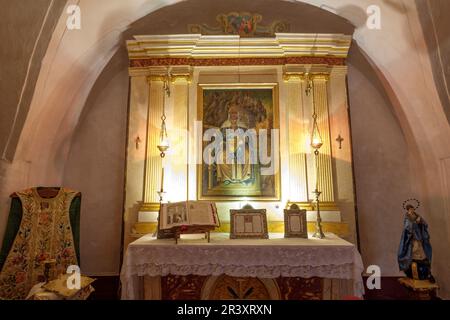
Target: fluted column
{"type": "Point", "coordinates": [153, 164]}
{"type": "Point", "coordinates": [298, 188]}
{"type": "Point", "coordinates": [177, 112]}
{"type": "Point", "coordinates": [325, 177]}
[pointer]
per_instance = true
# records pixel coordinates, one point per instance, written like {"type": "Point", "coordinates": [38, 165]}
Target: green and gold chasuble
{"type": "Point", "coordinates": [45, 233]}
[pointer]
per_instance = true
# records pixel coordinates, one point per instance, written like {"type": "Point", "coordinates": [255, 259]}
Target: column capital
{"type": "Point", "coordinates": [294, 72]}
{"type": "Point", "coordinates": [176, 73]}
{"type": "Point", "coordinates": [320, 76]}
{"type": "Point", "coordinates": [293, 76]}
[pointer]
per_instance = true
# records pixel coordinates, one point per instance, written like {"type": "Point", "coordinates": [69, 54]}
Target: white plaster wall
{"type": "Point", "coordinates": [96, 167]}
{"type": "Point", "coordinates": [381, 165]}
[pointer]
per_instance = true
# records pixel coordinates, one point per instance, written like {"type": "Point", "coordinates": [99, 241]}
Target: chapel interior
{"type": "Point", "coordinates": [104, 120]}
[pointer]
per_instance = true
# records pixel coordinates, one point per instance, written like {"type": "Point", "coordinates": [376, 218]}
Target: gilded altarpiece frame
{"type": "Point", "coordinates": [229, 108]}
{"type": "Point", "coordinates": [287, 59]}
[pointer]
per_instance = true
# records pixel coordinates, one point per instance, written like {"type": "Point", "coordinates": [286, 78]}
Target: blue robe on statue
{"type": "Point", "coordinates": [418, 231]}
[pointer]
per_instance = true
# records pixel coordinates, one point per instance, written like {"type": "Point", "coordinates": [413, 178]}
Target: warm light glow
{"type": "Point", "coordinates": [316, 143]}
{"type": "Point", "coordinates": [164, 143]}
{"type": "Point", "coordinates": [163, 138]}
{"type": "Point", "coordinates": [316, 139]}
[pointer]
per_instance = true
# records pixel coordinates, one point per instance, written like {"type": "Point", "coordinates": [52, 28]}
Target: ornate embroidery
{"type": "Point", "coordinates": [45, 233]}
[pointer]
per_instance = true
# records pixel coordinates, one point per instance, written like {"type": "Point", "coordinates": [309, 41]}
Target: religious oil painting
{"type": "Point", "coordinates": [240, 146]}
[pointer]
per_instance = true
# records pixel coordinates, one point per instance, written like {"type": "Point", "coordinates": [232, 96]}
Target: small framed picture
{"type": "Point", "coordinates": [248, 224]}
{"type": "Point", "coordinates": [295, 225]}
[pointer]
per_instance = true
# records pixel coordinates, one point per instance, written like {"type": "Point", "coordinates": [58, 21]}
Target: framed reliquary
{"type": "Point", "coordinates": [295, 224]}
{"type": "Point", "coordinates": [248, 224]}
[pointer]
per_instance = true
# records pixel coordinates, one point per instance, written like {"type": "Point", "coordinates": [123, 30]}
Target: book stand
{"type": "Point", "coordinates": [193, 230]}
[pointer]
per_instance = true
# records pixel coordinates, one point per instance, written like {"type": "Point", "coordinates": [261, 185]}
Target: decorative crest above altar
{"type": "Point", "coordinates": [244, 24]}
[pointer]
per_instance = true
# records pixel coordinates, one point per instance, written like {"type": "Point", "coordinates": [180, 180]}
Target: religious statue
{"type": "Point", "coordinates": [414, 254]}
{"type": "Point", "coordinates": [236, 167]}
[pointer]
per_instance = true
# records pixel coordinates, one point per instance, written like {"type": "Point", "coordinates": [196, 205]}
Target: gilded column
{"type": "Point", "coordinates": [320, 98]}
{"type": "Point", "coordinates": [298, 188]}
{"type": "Point", "coordinates": [153, 164]}
{"type": "Point", "coordinates": [177, 186]}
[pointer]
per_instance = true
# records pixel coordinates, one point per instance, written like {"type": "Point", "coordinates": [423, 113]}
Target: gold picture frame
{"type": "Point", "coordinates": [259, 111]}
{"type": "Point", "coordinates": [248, 224]}
{"type": "Point", "coordinates": [295, 223]}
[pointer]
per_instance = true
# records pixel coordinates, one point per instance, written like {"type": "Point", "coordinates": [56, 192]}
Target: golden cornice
{"type": "Point", "coordinates": [196, 46]}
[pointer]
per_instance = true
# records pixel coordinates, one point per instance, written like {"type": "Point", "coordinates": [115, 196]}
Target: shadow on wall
{"type": "Point", "coordinates": [96, 167]}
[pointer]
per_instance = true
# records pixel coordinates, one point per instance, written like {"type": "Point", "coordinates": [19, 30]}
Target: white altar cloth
{"type": "Point", "coordinates": [330, 258]}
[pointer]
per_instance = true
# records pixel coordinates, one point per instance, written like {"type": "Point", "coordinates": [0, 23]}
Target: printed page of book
{"type": "Point", "coordinates": [174, 215]}
{"type": "Point", "coordinates": [203, 213]}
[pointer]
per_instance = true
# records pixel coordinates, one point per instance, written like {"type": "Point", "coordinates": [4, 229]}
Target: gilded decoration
{"type": "Point", "coordinates": [232, 288]}
{"type": "Point", "coordinates": [244, 24]}
{"type": "Point", "coordinates": [212, 62]}
{"type": "Point", "coordinates": [301, 288]}
{"type": "Point", "coordinates": [224, 287]}
{"type": "Point", "coordinates": [182, 287]}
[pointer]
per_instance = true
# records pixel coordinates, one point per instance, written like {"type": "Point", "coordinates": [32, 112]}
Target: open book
{"type": "Point", "coordinates": [188, 213]}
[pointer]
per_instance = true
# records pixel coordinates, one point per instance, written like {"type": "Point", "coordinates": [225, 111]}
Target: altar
{"type": "Point", "coordinates": [275, 268]}
{"type": "Point", "coordinates": [238, 121]}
